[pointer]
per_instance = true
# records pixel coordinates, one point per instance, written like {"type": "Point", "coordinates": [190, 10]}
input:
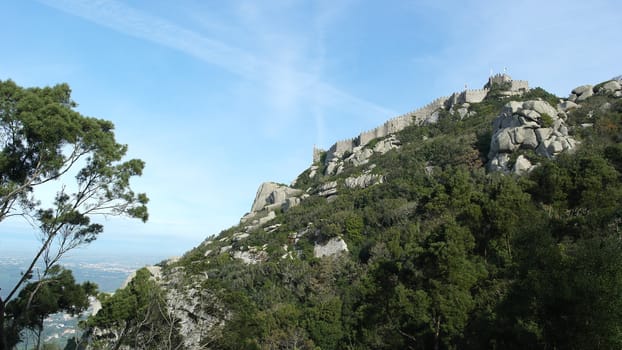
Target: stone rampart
{"type": "Point", "coordinates": [391, 126]}
{"type": "Point", "coordinates": [317, 154]}
{"type": "Point", "coordinates": [344, 146]}
{"type": "Point", "coordinates": [474, 96]}
{"type": "Point", "coordinates": [367, 136]}
{"type": "Point", "coordinates": [420, 115]}
{"type": "Point", "coordinates": [467, 96]}
{"type": "Point", "coordinates": [520, 85]}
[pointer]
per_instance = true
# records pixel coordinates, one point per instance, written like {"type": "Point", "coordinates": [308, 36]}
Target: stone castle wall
{"type": "Point", "coordinates": [420, 115]}
{"type": "Point", "coordinates": [520, 85]}
{"type": "Point", "coordinates": [344, 145]}
{"type": "Point", "coordinates": [475, 96]}
{"type": "Point", "coordinates": [391, 126]}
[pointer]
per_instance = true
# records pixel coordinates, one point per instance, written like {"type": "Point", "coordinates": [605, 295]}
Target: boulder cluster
{"type": "Point", "coordinates": [530, 125]}
{"type": "Point", "coordinates": [359, 156]}
{"type": "Point", "coordinates": [538, 126]}
{"type": "Point", "coordinates": [272, 196]}
{"type": "Point", "coordinates": [583, 92]}
{"type": "Point", "coordinates": [329, 189]}
{"type": "Point", "coordinates": [363, 181]}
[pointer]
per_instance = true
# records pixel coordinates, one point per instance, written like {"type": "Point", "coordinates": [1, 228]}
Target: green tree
{"type": "Point", "coordinates": [420, 288]}
{"type": "Point", "coordinates": [137, 316]}
{"type": "Point", "coordinates": [44, 140]}
{"type": "Point", "coordinates": [58, 292]}
{"type": "Point", "coordinates": [449, 271]}
{"type": "Point", "coordinates": [583, 305]}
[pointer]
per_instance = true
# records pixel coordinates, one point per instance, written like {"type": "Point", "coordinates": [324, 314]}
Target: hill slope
{"type": "Point", "coordinates": [489, 221]}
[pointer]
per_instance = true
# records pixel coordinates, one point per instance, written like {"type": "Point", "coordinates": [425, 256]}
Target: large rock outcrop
{"type": "Point", "coordinates": [197, 310]}
{"type": "Point", "coordinates": [272, 194]}
{"type": "Point", "coordinates": [580, 93]}
{"type": "Point", "coordinates": [530, 125]}
{"type": "Point", "coordinates": [363, 181]}
{"type": "Point", "coordinates": [334, 246]}
{"type": "Point", "coordinates": [359, 155]}
{"type": "Point", "coordinates": [327, 189]}
{"type": "Point", "coordinates": [613, 87]}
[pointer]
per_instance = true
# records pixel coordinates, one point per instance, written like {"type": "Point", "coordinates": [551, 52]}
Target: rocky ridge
{"type": "Point", "coordinates": [532, 125]}
{"type": "Point", "coordinates": [521, 133]}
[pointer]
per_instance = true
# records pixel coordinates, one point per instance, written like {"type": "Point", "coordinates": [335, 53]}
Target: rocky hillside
{"type": "Point", "coordinates": [492, 221]}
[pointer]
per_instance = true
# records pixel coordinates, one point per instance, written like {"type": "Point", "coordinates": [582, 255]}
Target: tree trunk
{"type": "Point", "coordinates": [26, 274]}
{"type": "Point", "coordinates": [3, 343]}
{"type": "Point", "coordinates": [122, 336]}
{"type": "Point", "coordinates": [39, 331]}
{"type": "Point", "coordinates": [437, 334]}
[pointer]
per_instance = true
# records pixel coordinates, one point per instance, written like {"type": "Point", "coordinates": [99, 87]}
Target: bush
{"type": "Point", "coordinates": [546, 121]}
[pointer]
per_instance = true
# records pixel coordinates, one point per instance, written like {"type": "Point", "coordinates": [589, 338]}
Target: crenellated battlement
{"type": "Point", "coordinates": [499, 78]}
{"type": "Point", "coordinates": [422, 113]}
{"type": "Point", "coordinates": [475, 96]}
{"type": "Point", "coordinates": [419, 116]}
{"type": "Point", "coordinates": [342, 146]}
{"type": "Point", "coordinates": [516, 86]}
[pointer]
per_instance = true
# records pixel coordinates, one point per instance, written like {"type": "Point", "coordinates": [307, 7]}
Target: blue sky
{"type": "Point", "coordinates": [219, 96]}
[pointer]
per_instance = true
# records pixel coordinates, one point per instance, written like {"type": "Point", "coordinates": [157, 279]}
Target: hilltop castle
{"type": "Point", "coordinates": [426, 114]}
{"type": "Point", "coordinates": [513, 86]}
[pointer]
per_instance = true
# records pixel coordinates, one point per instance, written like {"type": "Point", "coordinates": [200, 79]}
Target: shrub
{"type": "Point", "coordinates": [546, 121]}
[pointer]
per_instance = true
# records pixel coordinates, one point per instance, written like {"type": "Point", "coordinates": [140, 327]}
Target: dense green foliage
{"type": "Point", "coordinates": [57, 292]}
{"type": "Point", "coordinates": [136, 315]}
{"type": "Point", "coordinates": [442, 255]}
{"type": "Point", "coordinates": [43, 137]}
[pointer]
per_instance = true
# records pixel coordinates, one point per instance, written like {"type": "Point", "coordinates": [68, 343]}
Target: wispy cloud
{"type": "Point", "coordinates": [540, 41]}
{"type": "Point", "coordinates": [130, 21]}
{"type": "Point", "coordinates": [286, 81]}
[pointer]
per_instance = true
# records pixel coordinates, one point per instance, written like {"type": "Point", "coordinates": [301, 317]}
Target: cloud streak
{"type": "Point", "coordinates": [130, 21]}
{"type": "Point", "coordinates": [537, 41]}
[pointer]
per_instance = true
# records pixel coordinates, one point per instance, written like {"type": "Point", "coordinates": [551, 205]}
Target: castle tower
{"type": "Point", "coordinates": [317, 154]}
{"type": "Point", "coordinates": [498, 79]}
{"type": "Point", "coordinates": [513, 86]}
